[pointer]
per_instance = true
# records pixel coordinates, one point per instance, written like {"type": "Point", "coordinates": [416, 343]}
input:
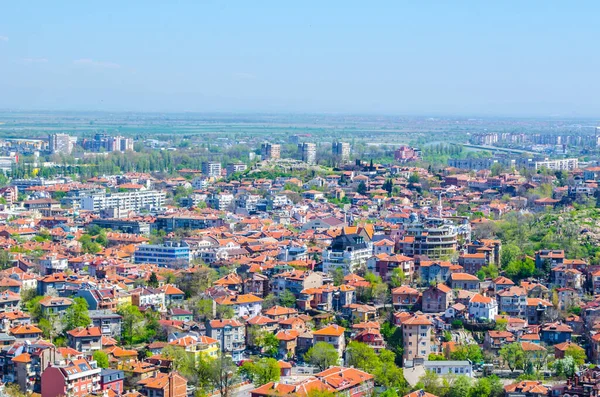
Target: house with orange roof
{"type": "Point", "coordinates": [483, 308]}
{"type": "Point", "coordinates": [26, 331]}
{"type": "Point", "coordinates": [436, 299]}
{"type": "Point", "coordinates": [77, 378]}
{"type": "Point", "coordinates": [85, 339]}
{"type": "Point", "coordinates": [416, 336]}
{"type": "Point", "coordinates": [242, 305]}
{"type": "Point", "coordinates": [288, 341]}
{"type": "Point", "coordinates": [494, 340]}
{"type": "Point", "coordinates": [349, 382]}
{"type": "Point", "coordinates": [333, 335]}
{"type": "Point", "coordinates": [164, 385]}
{"type": "Point", "coordinates": [231, 335]}
{"type": "Point", "coordinates": [405, 296]}
{"type": "Point", "coordinates": [464, 281]}
{"type": "Point", "coordinates": [526, 388]}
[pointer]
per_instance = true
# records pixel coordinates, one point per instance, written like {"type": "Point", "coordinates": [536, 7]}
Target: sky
{"type": "Point", "coordinates": [505, 58]}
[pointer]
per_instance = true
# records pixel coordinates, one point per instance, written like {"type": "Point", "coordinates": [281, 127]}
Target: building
{"type": "Point", "coordinates": [112, 379]}
{"type": "Point", "coordinates": [405, 154]}
{"type": "Point", "coordinates": [170, 254]}
{"type": "Point", "coordinates": [332, 335]}
{"type": "Point", "coordinates": [77, 378]}
{"type": "Point", "coordinates": [416, 332]}
{"type": "Point", "coordinates": [232, 168]}
{"type": "Point", "coordinates": [270, 151]}
{"type": "Point", "coordinates": [123, 202]}
{"type": "Point", "coordinates": [308, 152]}
{"type": "Point", "coordinates": [61, 143]}
{"type": "Point", "coordinates": [432, 237]}
{"type": "Point", "coordinates": [348, 252]}
{"type": "Point", "coordinates": [86, 340]}
{"type": "Point", "coordinates": [450, 368]}
{"type": "Point", "coordinates": [231, 335]}
{"type": "Point", "coordinates": [211, 169]}
{"type": "Point", "coordinates": [164, 385]}
{"type": "Point", "coordinates": [341, 150]}
{"type": "Point", "coordinates": [483, 308]}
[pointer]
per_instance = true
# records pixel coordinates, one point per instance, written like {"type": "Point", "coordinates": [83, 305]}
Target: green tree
{"type": "Point", "coordinates": [361, 356]}
{"type": "Point", "coordinates": [323, 355]}
{"type": "Point", "coordinates": [76, 315]}
{"type": "Point", "coordinates": [338, 276]}
{"type": "Point", "coordinates": [269, 343]}
{"type": "Point", "coordinates": [577, 353]}
{"type": "Point", "coordinates": [223, 375]}
{"type": "Point", "coordinates": [509, 253]}
{"type": "Point", "coordinates": [262, 371]}
{"type": "Point", "coordinates": [460, 387]}
{"type": "Point", "coordinates": [182, 361]}
{"type": "Point", "coordinates": [132, 323]}
{"type": "Point", "coordinates": [153, 280]}
{"type": "Point", "coordinates": [362, 188]}
{"type": "Point", "coordinates": [481, 388]}
{"type": "Point", "coordinates": [287, 299]}
{"type": "Point", "coordinates": [225, 312]}
{"type": "Point", "coordinates": [470, 352]}
{"type": "Point", "coordinates": [513, 355]}
{"type": "Point", "coordinates": [101, 358]}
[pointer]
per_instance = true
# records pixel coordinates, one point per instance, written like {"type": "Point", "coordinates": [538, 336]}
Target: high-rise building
{"type": "Point", "coordinates": [211, 168]}
{"type": "Point", "coordinates": [308, 152]}
{"type": "Point", "coordinates": [61, 143]}
{"type": "Point", "coordinates": [341, 150]}
{"type": "Point", "coordinates": [270, 151]}
{"type": "Point", "coordinates": [232, 168]}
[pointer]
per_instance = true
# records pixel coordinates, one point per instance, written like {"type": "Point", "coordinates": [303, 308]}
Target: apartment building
{"type": "Point", "coordinates": [308, 152]}
{"type": "Point", "coordinates": [348, 252]}
{"type": "Point", "coordinates": [77, 378]}
{"type": "Point", "coordinates": [172, 254]}
{"type": "Point", "coordinates": [416, 331]}
{"type": "Point", "coordinates": [270, 151]}
{"type": "Point", "coordinates": [211, 169]}
{"type": "Point", "coordinates": [124, 201]}
{"type": "Point", "coordinates": [231, 335]}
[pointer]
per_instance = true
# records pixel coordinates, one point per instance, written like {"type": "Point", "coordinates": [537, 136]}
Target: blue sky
{"type": "Point", "coordinates": [517, 58]}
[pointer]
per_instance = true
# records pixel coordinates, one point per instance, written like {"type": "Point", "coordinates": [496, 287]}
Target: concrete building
{"type": "Point", "coordinates": [232, 168]}
{"type": "Point", "coordinates": [416, 331]}
{"type": "Point", "coordinates": [348, 252]}
{"type": "Point", "coordinates": [270, 151]}
{"type": "Point", "coordinates": [77, 378]}
{"type": "Point", "coordinates": [211, 169]}
{"type": "Point", "coordinates": [308, 152]}
{"type": "Point", "coordinates": [341, 150]}
{"type": "Point", "coordinates": [170, 254]}
{"type": "Point", "coordinates": [61, 143]}
{"type": "Point", "coordinates": [450, 368]}
{"type": "Point", "coordinates": [124, 201]}
{"type": "Point", "coordinates": [231, 335]}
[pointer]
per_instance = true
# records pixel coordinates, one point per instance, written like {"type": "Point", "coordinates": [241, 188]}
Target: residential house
{"type": "Point", "coordinates": [436, 299]}
{"type": "Point", "coordinates": [76, 378]}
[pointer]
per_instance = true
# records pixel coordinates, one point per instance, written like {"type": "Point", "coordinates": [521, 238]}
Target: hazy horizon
{"type": "Point", "coordinates": [465, 59]}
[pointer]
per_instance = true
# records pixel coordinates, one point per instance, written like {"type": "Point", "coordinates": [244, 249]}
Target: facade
{"type": "Point", "coordinates": [124, 201]}
{"type": "Point", "coordinates": [433, 237]}
{"type": "Point", "coordinates": [232, 168]}
{"type": "Point", "coordinates": [348, 252]}
{"type": "Point", "coordinates": [270, 151]}
{"type": "Point", "coordinates": [450, 368]}
{"type": "Point", "coordinates": [77, 378]}
{"type": "Point", "coordinates": [416, 332]}
{"type": "Point", "coordinates": [231, 335]}
{"type": "Point", "coordinates": [169, 254]}
{"type": "Point", "coordinates": [341, 150]}
{"type": "Point", "coordinates": [308, 152]}
{"type": "Point", "coordinates": [61, 143]}
{"type": "Point", "coordinates": [211, 169]}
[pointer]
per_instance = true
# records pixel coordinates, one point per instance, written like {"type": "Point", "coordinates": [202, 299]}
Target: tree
{"type": "Point", "coordinates": [101, 358]}
{"type": "Point", "coordinates": [501, 324]}
{"type": "Point", "coordinates": [182, 361]}
{"type": "Point", "coordinates": [577, 353]}
{"type": "Point", "coordinates": [509, 253]}
{"type": "Point", "coordinates": [269, 343]}
{"type": "Point", "coordinates": [460, 387]}
{"type": "Point", "coordinates": [322, 355]}
{"type": "Point", "coordinates": [361, 188]}
{"type": "Point", "coordinates": [269, 301]}
{"type": "Point", "coordinates": [223, 375]}
{"type": "Point", "coordinates": [481, 388]}
{"type": "Point", "coordinates": [77, 315]}
{"type": "Point", "coordinates": [338, 276]}
{"type": "Point", "coordinates": [287, 299]}
{"type": "Point", "coordinates": [470, 352]}
{"type": "Point", "coordinates": [132, 323]}
{"type": "Point", "coordinates": [205, 309]}
{"type": "Point", "coordinates": [153, 280]}
{"type": "Point", "coordinates": [361, 356]}
{"type": "Point", "coordinates": [262, 371]}
{"type": "Point", "coordinates": [565, 367]}
{"type": "Point", "coordinates": [35, 308]}
{"type": "Point", "coordinates": [513, 355]}
{"type": "Point", "coordinates": [397, 277]}
{"type": "Point", "coordinates": [225, 312]}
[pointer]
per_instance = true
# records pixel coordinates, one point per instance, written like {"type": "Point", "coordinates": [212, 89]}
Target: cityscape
{"type": "Point", "coordinates": [221, 199]}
